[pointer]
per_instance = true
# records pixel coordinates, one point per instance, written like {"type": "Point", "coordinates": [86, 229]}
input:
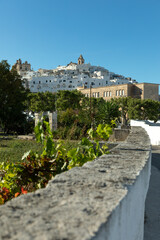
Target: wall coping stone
{"type": "Point", "coordinates": [77, 203]}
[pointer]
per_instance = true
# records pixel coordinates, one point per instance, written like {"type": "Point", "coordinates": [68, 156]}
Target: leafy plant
{"type": "Point", "coordinates": [87, 150]}
{"type": "Point", "coordinates": [38, 169]}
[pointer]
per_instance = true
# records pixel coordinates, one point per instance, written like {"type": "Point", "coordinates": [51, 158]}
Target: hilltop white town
{"type": "Point", "coordinates": [83, 76]}
{"type": "Point", "coordinates": [68, 77]}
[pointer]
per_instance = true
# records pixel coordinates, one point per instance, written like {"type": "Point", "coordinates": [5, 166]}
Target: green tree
{"type": "Point", "coordinates": [69, 99]}
{"type": "Point", "coordinates": [41, 102]}
{"type": "Point", "coordinates": [132, 108]}
{"type": "Point", "coordinates": [150, 110]}
{"type": "Point", "coordinates": [107, 111]}
{"type": "Point", "coordinates": [123, 104]}
{"type": "Point", "coordinates": [12, 97]}
{"type": "Point", "coordinates": [135, 108]}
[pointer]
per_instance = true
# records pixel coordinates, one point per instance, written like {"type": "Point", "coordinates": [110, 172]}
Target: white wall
{"type": "Point", "coordinates": [153, 129]}
{"type": "Point", "coordinates": [127, 220]}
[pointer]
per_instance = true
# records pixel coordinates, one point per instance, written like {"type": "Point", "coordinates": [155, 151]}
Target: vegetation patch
{"type": "Point", "coordinates": [12, 149]}
{"type": "Point", "coordinates": [37, 169]}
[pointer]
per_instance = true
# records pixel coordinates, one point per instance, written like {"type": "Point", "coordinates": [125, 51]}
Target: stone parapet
{"type": "Point", "coordinates": [104, 199]}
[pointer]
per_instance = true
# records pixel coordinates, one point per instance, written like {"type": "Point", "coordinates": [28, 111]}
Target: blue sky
{"type": "Point", "coordinates": [120, 35]}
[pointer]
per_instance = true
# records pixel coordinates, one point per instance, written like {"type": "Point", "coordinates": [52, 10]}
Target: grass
{"type": "Point", "coordinates": [12, 149]}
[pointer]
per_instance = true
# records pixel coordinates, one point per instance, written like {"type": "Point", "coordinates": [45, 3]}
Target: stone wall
{"type": "Point", "coordinates": [119, 135]}
{"type": "Point", "coordinates": [104, 199]}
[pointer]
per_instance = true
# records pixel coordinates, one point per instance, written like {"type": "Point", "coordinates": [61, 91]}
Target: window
{"type": "Point", "coordinates": [64, 80]}
{"type": "Point", "coordinates": [116, 92]}
{"type": "Point", "coordinates": [110, 93]}
{"type": "Point", "coordinates": [123, 92]}
{"type": "Point", "coordinates": [106, 82]}
{"type": "Point", "coordinates": [120, 93]}
{"type": "Point", "coordinates": [107, 94]}
{"type": "Point", "coordinates": [70, 81]}
{"type": "Point", "coordinates": [33, 82]}
{"type": "Point", "coordinates": [46, 80]}
{"type": "Point", "coordinates": [39, 81]}
{"type": "Point", "coordinates": [104, 94]}
{"type": "Point", "coordinates": [99, 84]}
{"type": "Point", "coordinates": [96, 94]}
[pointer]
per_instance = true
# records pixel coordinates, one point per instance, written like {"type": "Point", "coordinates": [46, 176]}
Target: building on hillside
{"type": "Point", "coordinates": [134, 90]}
{"type": "Point", "coordinates": [22, 68]}
{"type": "Point", "coordinates": [69, 77]}
{"type": "Point", "coordinates": [80, 60]}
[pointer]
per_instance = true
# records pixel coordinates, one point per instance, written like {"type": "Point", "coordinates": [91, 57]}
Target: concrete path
{"type": "Point", "coordinates": [152, 220]}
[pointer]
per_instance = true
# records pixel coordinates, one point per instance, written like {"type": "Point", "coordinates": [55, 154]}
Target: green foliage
{"type": "Point", "coordinates": [12, 149]}
{"type": "Point", "coordinates": [41, 102]}
{"type": "Point", "coordinates": [38, 169]}
{"type": "Point", "coordinates": [108, 111]}
{"type": "Point", "coordinates": [82, 114]}
{"type": "Point", "coordinates": [9, 183]}
{"type": "Point", "coordinates": [104, 131]}
{"type": "Point", "coordinates": [134, 109]}
{"type": "Point", "coordinates": [67, 118]}
{"type": "Point", "coordinates": [123, 104]}
{"type": "Point", "coordinates": [76, 113]}
{"type": "Point", "coordinates": [78, 156]}
{"type": "Point", "coordinates": [131, 108]}
{"type": "Point", "coordinates": [87, 150]}
{"type": "Point", "coordinates": [72, 124]}
{"type": "Point", "coordinates": [102, 111]}
{"type": "Point", "coordinates": [12, 97]}
{"type": "Point", "coordinates": [68, 99]}
{"type": "Point", "coordinates": [150, 110]}
{"type": "Point", "coordinates": [44, 136]}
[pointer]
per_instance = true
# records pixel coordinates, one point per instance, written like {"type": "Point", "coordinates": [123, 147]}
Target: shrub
{"type": "Point", "coordinates": [38, 169]}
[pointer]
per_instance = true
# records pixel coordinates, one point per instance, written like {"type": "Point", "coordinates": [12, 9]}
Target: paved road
{"type": "Point", "coordinates": [156, 156]}
{"type": "Point", "coordinates": [152, 224]}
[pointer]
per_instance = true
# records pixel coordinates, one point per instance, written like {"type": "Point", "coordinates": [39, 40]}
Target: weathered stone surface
{"type": "Point", "coordinates": [77, 203]}
{"type": "Point", "coordinates": [119, 134]}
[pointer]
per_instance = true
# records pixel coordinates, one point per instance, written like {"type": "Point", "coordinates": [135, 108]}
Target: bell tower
{"type": "Point", "coordinates": [80, 60]}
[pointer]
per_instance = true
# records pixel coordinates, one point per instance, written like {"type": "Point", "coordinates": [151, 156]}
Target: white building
{"type": "Point", "coordinates": [72, 76]}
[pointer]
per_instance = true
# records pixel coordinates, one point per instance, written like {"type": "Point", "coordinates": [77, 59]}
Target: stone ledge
{"type": "Point", "coordinates": [82, 203]}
